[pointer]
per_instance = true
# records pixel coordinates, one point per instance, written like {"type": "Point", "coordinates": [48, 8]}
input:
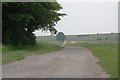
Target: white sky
{"type": "Point", "coordinates": [87, 16]}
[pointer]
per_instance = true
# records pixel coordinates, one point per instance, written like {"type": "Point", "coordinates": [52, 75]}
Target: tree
{"type": "Point", "coordinates": [21, 19]}
{"type": "Point", "coordinates": [60, 37]}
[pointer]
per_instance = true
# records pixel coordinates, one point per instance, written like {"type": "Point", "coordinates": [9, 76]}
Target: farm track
{"type": "Point", "coordinates": [70, 62]}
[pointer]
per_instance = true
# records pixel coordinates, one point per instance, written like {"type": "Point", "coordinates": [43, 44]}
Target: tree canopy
{"type": "Point", "coordinates": [21, 19]}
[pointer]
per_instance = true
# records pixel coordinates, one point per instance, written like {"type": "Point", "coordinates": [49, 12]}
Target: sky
{"type": "Point", "coordinates": [87, 17]}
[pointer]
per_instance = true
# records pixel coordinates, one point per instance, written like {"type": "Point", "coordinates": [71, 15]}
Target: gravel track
{"type": "Point", "coordinates": [70, 62]}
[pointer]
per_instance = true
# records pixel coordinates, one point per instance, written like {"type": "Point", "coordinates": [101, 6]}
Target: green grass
{"type": "Point", "coordinates": [111, 38]}
{"type": "Point", "coordinates": [107, 54]}
{"type": "Point", "coordinates": [11, 54]}
{"type": "Point", "coordinates": [0, 54]}
{"type": "Point", "coordinates": [0, 47]}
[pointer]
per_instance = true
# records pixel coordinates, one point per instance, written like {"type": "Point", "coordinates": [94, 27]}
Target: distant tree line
{"type": "Point", "coordinates": [21, 19]}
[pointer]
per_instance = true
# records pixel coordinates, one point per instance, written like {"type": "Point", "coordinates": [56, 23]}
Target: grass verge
{"type": "Point", "coordinates": [0, 54]}
{"type": "Point", "coordinates": [107, 54]}
{"type": "Point", "coordinates": [11, 54]}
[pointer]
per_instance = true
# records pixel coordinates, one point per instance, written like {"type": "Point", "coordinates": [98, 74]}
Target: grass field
{"type": "Point", "coordinates": [10, 53]}
{"type": "Point", "coordinates": [106, 49]}
{"type": "Point", "coordinates": [90, 38]}
{"type": "Point", "coordinates": [0, 54]}
{"type": "Point", "coordinates": [107, 54]}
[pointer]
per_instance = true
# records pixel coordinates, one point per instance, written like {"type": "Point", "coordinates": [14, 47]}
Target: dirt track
{"type": "Point", "coordinates": [70, 62]}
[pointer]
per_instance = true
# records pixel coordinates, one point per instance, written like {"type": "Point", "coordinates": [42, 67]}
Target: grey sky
{"type": "Point", "coordinates": [87, 17]}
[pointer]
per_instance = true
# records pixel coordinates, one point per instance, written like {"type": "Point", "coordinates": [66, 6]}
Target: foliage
{"type": "Point", "coordinates": [21, 19]}
{"type": "Point", "coordinates": [60, 37]}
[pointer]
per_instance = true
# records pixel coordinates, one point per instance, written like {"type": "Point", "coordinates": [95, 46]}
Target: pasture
{"type": "Point", "coordinates": [0, 54]}
{"type": "Point", "coordinates": [88, 38]}
{"type": "Point", "coordinates": [11, 54]}
{"type": "Point", "coordinates": [103, 46]}
{"type": "Point", "coordinates": [106, 54]}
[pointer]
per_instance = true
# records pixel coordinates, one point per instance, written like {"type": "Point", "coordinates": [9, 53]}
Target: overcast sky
{"type": "Point", "coordinates": [86, 17]}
